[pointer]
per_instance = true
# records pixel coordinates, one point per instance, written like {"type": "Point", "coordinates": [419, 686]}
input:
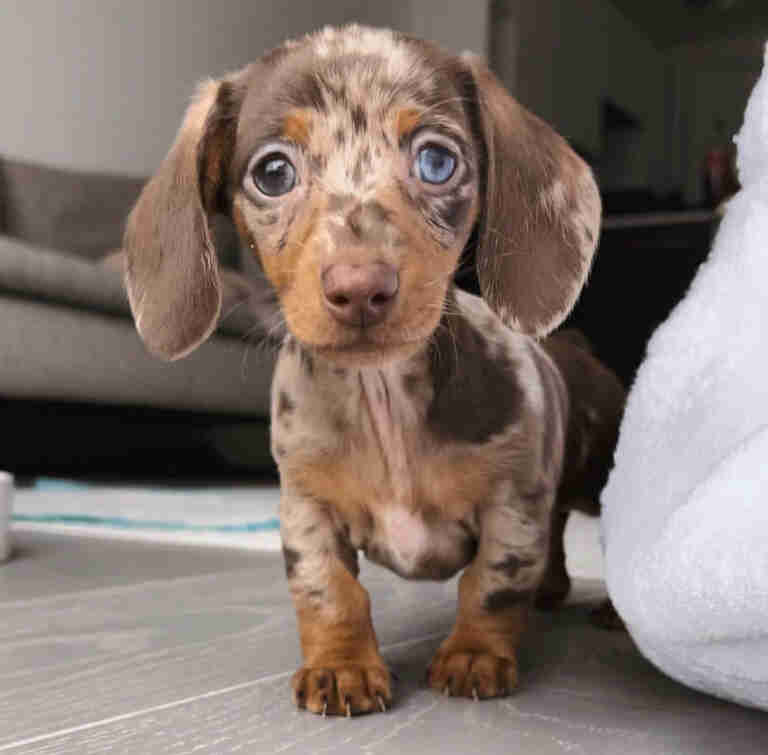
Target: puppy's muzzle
{"type": "Point", "coordinates": [360, 295]}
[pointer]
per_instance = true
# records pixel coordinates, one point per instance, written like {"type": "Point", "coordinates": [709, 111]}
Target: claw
{"type": "Point", "coordinates": [349, 710]}
{"type": "Point", "coordinates": [447, 691]}
{"type": "Point", "coordinates": [325, 707]}
{"type": "Point", "coordinates": [475, 695]}
{"type": "Point", "coordinates": [382, 704]}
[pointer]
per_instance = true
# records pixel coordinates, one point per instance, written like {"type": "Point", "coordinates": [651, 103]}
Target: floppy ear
{"type": "Point", "coordinates": [171, 271]}
{"type": "Point", "coordinates": [540, 219]}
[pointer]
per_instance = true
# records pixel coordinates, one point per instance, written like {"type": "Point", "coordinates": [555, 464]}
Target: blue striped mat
{"type": "Point", "coordinates": [245, 516]}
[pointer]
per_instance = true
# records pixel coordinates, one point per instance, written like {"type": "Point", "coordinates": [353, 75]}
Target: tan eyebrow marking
{"type": "Point", "coordinates": [406, 121]}
{"type": "Point", "coordinates": [297, 125]}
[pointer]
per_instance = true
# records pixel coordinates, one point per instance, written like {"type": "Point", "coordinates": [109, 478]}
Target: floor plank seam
{"type": "Point", "coordinates": [195, 698]}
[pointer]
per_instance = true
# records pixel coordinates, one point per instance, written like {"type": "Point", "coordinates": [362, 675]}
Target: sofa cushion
{"type": "Point", "coordinates": [37, 273]}
{"type": "Point", "coordinates": [32, 272]}
{"type": "Point", "coordinates": [80, 213]}
{"type": "Point", "coordinates": [55, 353]}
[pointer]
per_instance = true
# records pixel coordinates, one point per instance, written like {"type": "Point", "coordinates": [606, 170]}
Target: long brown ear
{"type": "Point", "coordinates": [171, 269]}
{"type": "Point", "coordinates": [540, 220]}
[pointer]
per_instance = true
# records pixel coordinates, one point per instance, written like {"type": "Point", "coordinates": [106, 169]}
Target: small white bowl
{"type": "Point", "coordinates": [6, 504]}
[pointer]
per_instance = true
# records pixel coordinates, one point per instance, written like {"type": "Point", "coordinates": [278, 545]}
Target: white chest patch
{"type": "Point", "coordinates": [406, 536]}
{"type": "Point", "coordinates": [391, 413]}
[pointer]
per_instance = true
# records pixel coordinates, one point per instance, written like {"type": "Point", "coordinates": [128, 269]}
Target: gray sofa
{"type": "Point", "coordinates": [71, 365]}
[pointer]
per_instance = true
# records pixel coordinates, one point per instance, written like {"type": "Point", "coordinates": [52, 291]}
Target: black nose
{"type": "Point", "coordinates": [360, 295]}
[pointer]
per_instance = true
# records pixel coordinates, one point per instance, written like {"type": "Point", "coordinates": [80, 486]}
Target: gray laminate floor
{"type": "Point", "coordinates": [116, 647]}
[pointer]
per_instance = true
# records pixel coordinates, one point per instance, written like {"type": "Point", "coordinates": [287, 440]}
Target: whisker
{"type": "Point", "coordinates": [237, 305]}
{"type": "Point", "coordinates": [270, 340]}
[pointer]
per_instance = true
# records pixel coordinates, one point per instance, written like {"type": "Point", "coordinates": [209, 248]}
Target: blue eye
{"type": "Point", "coordinates": [435, 164]}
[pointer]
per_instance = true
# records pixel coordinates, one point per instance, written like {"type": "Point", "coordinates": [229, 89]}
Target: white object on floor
{"type": "Point", "coordinates": [6, 504]}
{"type": "Point", "coordinates": [685, 511]}
{"type": "Point", "coordinates": [239, 516]}
{"type": "Point", "coordinates": [584, 556]}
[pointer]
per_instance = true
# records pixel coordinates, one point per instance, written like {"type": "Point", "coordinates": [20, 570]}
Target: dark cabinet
{"type": "Point", "coordinates": [643, 268]}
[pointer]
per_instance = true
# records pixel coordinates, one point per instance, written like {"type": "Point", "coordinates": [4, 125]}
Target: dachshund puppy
{"type": "Point", "coordinates": [412, 421]}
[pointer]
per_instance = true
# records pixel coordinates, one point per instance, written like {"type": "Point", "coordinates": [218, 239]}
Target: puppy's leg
{"type": "Point", "coordinates": [343, 672]}
{"type": "Point", "coordinates": [556, 584]}
{"type": "Point", "coordinates": [479, 658]}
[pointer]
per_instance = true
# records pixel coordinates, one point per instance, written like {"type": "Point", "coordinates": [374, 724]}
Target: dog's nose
{"type": "Point", "coordinates": [360, 295]}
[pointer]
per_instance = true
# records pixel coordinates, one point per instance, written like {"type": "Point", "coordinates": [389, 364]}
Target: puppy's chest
{"type": "Point", "coordinates": [358, 441]}
{"type": "Point", "coordinates": [359, 418]}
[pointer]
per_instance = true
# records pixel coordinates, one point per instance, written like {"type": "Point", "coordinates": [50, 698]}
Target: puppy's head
{"type": "Point", "coordinates": [355, 164]}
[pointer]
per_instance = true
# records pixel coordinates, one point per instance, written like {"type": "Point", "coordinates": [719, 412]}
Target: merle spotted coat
{"type": "Point", "coordinates": [411, 421]}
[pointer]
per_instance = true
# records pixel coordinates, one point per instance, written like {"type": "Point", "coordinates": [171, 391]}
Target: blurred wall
{"type": "Point", "coordinates": [715, 80]}
{"type": "Point", "coordinates": [102, 84]}
{"type": "Point", "coordinates": [563, 57]}
{"type": "Point", "coordinates": [459, 26]}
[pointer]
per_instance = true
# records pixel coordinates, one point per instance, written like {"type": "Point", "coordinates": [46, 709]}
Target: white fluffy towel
{"type": "Point", "coordinates": [685, 523]}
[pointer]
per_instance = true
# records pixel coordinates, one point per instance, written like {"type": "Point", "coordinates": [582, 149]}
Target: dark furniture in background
{"type": "Point", "coordinates": [643, 267]}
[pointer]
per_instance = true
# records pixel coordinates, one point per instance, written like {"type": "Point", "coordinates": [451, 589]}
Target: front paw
{"type": "Point", "coordinates": [476, 675]}
{"type": "Point", "coordinates": [343, 690]}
